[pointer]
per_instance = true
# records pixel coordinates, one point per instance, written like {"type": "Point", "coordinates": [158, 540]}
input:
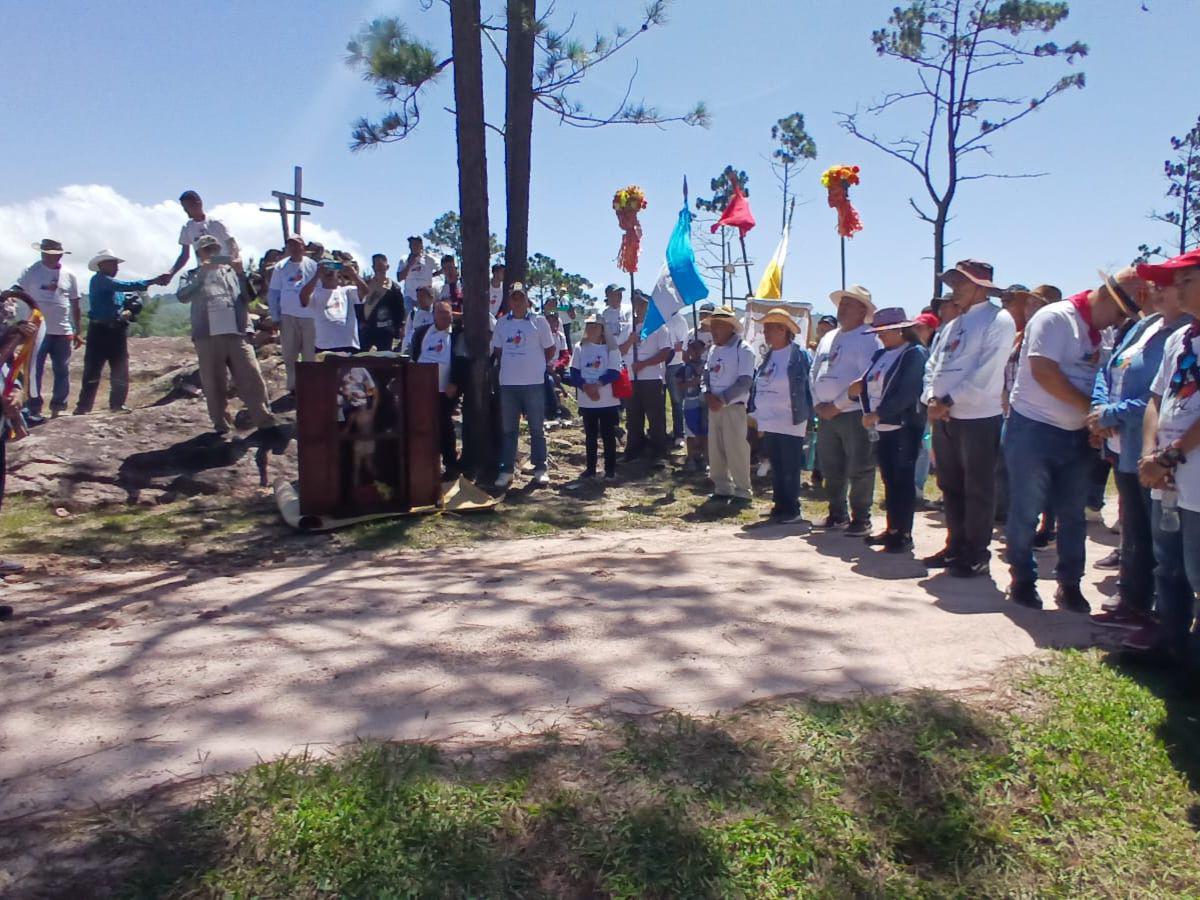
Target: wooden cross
{"type": "Point", "coordinates": [298, 199]}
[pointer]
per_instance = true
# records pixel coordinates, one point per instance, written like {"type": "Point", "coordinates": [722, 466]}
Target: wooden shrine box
{"type": "Point", "coordinates": [368, 435]}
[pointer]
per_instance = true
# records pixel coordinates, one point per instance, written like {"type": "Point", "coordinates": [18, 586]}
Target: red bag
{"type": "Point", "coordinates": [623, 388]}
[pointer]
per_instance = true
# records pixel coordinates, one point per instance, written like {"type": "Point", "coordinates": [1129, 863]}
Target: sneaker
{"type": "Point", "coordinates": [834, 522]}
{"type": "Point", "coordinates": [898, 543]}
{"type": "Point", "coordinates": [1070, 598]}
{"type": "Point", "coordinates": [1121, 617]}
{"type": "Point", "coordinates": [565, 423]}
{"type": "Point", "coordinates": [528, 468]}
{"type": "Point", "coordinates": [878, 540]}
{"type": "Point", "coordinates": [120, 409]}
{"type": "Point", "coordinates": [960, 568]}
{"type": "Point", "coordinates": [939, 560]}
{"type": "Point", "coordinates": [587, 473]}
{"type": "Point", "coordinates": [793, 519]}
{"type": "Point", "coordinates": [861, 528]}
{"type": "Point", "coordinates": [1025, 593]}
{"type": "Point", "coordinates": [504, 479]}
{"type": "Point", "coordinates": [1112, 561]}
{"type": "Point", "coordinates": [33, 420]}
{"type": "Point", "coordinates": [1142, 640]}
{"type": "Point", "coordinates": [610, 476]}
{"type": "Point", "coordinates": [540, 476]}
{"type": "Point", "coordinates": [1043, 539]}
{"type": "Point", "coordinates": [764, 469]}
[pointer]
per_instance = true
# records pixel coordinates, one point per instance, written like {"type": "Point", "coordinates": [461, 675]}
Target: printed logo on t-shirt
{"type": "Point", "coordinates": [716, 367]}
{"type": "Point", "coordinates": [953, 346]}
{"type": "Point", "coordinates": [769, 372]}
{"type": "Point", "coordinates": [438, 347]}
{"type": "Point", "coordinates": [877, 375]}
{"type": "Point", "coordinates": [297, 277]}
{"type": "Point", "coordinates": [51, 286]}
{"type": "Point", "coordinates": [515, 339]}
{"type": "Point", "coordinates": [595, 363]}
{"type": "Point", "coordinates": [834, 354]}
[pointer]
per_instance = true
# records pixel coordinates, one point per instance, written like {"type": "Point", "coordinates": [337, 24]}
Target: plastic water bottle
{"type": "Point", "coordinates": [1169, 519]}
{"type": "Point", "coordinates": [873, 435]}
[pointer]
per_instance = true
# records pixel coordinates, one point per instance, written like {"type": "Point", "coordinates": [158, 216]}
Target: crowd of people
{"type": "Point", "coordinates": [1021, 400]}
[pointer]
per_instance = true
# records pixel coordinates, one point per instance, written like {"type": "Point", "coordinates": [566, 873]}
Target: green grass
{"type": "Point", "coordinates": [1073, 780]}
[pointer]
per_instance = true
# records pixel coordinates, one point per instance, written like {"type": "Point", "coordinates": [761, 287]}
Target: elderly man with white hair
{"type": "Point", "coordinates": [728, 378]}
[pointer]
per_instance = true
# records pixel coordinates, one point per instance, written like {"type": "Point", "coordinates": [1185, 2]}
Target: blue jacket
{"type": "Point", "coordinates": [106, 298]}
{"type": "Point", "coordinates": [900, 403]}
{"type": "Point", "coordinates": [1126, 412]}
{"type": "Point", "coordinates": [799, 365]}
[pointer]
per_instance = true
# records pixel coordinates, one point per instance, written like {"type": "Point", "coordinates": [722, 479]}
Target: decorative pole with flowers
{"type": "Point", "coordinates": [627, 203]}
{"type": "Point", "coordinates": [838, 181]}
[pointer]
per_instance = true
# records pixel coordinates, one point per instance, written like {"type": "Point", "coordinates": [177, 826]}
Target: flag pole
{"type": "Point", "coordinates": [843, 264]}
{"type": "Point", "coordinates": [745, 264]}
{"type": "Point", "coordinates": [695, 313]}
{"type": "Point", "coordinates": [787, 227]}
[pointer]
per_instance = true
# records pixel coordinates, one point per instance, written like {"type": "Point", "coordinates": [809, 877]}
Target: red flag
{"type": "Point", "coordinates": [737, 213]}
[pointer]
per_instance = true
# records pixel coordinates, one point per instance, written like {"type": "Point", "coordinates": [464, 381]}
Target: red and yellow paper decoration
{"type": "Point", "coordinates": [627, 203]}
{"type": "Point", "coordinates": [837, 181]}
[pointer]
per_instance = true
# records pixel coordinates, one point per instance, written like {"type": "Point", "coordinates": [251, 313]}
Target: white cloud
{"type": "Point", "coordinates": [88, 218]}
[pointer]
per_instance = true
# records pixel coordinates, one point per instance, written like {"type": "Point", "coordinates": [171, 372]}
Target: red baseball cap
{"type": "Point", "coordinates": [927, 319]}
{"type": "Point", "coordinates": [1163, 273]}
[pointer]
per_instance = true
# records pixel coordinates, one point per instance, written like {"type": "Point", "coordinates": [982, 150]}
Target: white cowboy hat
{"type": "Point", "coordinates": [103, 256]}
{"type": "Point", "coordinates": [856, 292]}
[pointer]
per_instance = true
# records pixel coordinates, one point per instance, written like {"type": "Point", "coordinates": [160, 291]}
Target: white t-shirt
{"type": "Point", "coordinates": [617, 326]}
{"type": "Point", "coordinates": [773, 396]}
{"type": "Point", "coordinates": [1117, 374]}
{"type": "Point", "coordinates": [969, 360]}
{"type": "Point", "coordinates": [840, 360]}
{"type": "Point", "coordinates": [1056, 332]}
{"type": "Point", "coordinates": [592, 361]}
{"type": "Point", "coordinates": [560, 340]}
{"type": "Point", "coordinates": [1177, 413]}
{"type": "Point", "coordinates": [877, 374]}
{"type": "Point", "coordinates": [334, 322]}
{"type": "Point", "coordinates": [653, 344]}
{"type": "Point", "coordinates": [435, 348]}
{"type": "Point", "coordinates": [495, 297]}
{"type": "Point", "coordinates": [522, 344]}
{"type": "Point", "coordinates": [677, 328]}
{"type": "Point", "coordinates": [418, 318]}
{"type": "Point", "coordinates": [192, 231]}
{"type": "Point", "coordinates": [53, 289]}
{"type": "Point", "coordinates": [288, 278]}
{"type": "Point", "coordinates": [420, 275]}
{"type": "Point", "coordinates": [727, 363]}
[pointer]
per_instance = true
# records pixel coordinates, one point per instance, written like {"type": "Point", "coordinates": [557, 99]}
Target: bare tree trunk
{"type": "Point", "coordinates": [479, 442]}
{"type": "Point", "coordinates": [939, 249]}
{"type": "Point", "coordinates": [518, 135]}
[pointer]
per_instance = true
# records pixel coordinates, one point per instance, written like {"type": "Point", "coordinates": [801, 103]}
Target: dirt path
{"type": "Point", "coordinates": [117, 681]}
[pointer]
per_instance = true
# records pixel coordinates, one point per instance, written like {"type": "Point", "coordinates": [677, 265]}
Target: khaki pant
{"type": "Point", "coordinates": [729, 451]}
{"type": "Point", "coordinates": [297, 337]}
{"type": "Point", "coordinates": [232, 350]}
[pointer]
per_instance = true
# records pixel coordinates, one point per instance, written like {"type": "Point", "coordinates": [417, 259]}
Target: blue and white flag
{"type": "Point", "coordinates": [679, 284]}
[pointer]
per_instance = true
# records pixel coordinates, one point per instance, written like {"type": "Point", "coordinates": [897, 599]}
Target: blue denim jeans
{"type": "Point", "coordinates": [786, 453]}
{"type": "Point", "coordinates": [1052, 466]}
{"type": "Point", "coordinates": [58, 348]}
{"type": "Point", "coordinates": [515, 400]}
{"type": "Point", "coordinates": [1176, 573]}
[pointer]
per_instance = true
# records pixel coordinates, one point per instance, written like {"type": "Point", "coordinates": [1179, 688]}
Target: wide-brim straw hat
{"type": "Point", "coordinates": [975, 271]}
{"type": "Point", "coordinates": [103, 256]}
{"type": "Point", "coordinates": [780, 316]}
{"type": "Point", "coordinates": [855, 292]}
{"type": "Point", "coordinates": [50, 246]}
{"type": "Point", "coordinates": [1120, 296]}
{"type": "Point", "coordinates": [725, 314]}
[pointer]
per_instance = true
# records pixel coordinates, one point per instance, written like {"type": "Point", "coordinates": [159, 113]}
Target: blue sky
{"type": "Point", "coordinates": [223, 97]}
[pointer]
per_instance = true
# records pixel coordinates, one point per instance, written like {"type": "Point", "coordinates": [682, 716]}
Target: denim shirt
{"type": "Point", "coordinates": [106, 298]}
{"type": "Point", "coordinates": [799, 366]}
{"type": "Point", "coordinates": [1126, 412]}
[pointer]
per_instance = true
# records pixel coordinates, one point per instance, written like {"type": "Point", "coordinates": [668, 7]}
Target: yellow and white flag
{"type": "Point", "coordinates": [771, 285]}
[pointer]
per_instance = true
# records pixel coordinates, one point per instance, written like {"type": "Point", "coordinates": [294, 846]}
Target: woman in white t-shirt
{"type": "Point", "coordinates": [334, 322]}
{"type": "Point", "coordinates": [594, 368]}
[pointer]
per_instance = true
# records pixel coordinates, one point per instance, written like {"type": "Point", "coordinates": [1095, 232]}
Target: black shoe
{"type": "Point", "coordinates": [898, 543]}
{"type": "Point", "coordinates": [859, 528]}
{"type": "Point", "coordinates": [939, 560]}
{"type": "Point", "coordinates": [960, 568]}
{"type": "Point", "coordinates": [834, 522]}
{"type": "Point", "coordinates": [33, 420]}
{"type": "Point", "coordinates": [878, 540]}
{"type": "Point", "coordinates": [1025, 593]}
{"type": "Point", "coordinates": [1112, 561]}
{"type": "Point", "coordinates": [1043, 539]}
{"type": "Point", "coordinates": [1070, 598]}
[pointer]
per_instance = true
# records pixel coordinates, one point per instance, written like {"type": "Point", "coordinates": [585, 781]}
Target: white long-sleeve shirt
{"type": "Point", "coordinates": [841, 359]}
{"type": "Point", "coordinates": [968, 362]}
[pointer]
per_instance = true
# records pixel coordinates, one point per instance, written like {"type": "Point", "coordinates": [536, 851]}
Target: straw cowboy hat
{"type": "Point", "coordinates": [1127, 303]}
{"type": "Point", "coordinates": [975, 271]}
{"type": "Point", "coordinates": [780, 316]}
{"type": "Point", "coordinates": [52, 247]}
{"type": "Point", "coordinates": [103, 256]}
{"type": "Point", "coordinates": [725, 314]}
{"type": "Point", "coordinates": [856, 292]}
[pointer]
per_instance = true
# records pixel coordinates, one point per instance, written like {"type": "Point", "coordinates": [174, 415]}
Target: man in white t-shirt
{"type": "Point", "coordinates": [496, 289]}
{"type": "Point", "coordinates": [422, 315]}
{"type": "Point", "coordinates": [417, 272]}
{"type": "Point", "coordinates": [335, 323]}
{"type": "Point", "coordinates": [297, 334]}
{"type": "Point", "coordinates": [678, 327]}
{"type": "Point", "coordinates": [1046, 444]}
{"type": "Point", "coordinates": [198, 225]}
{"type": "Point", "coordinates": [728, 376]}
{"type": "Point", "coordinates": [646, 410]}
{"type": "Point", "coordinates": [616, 322]}
{"type": "Point", "coordinates": [524, 346]}
{"type": "Point", "coordinates": [56, 290]}
{"type": "Point", "coordinates": [966, 389]}
{"type": "Point", "coordinates": [1170, 463]}
{"type": "Point", "coordinates": [436, 343]}
{"type": "Point", "coordinates": [844, 451]}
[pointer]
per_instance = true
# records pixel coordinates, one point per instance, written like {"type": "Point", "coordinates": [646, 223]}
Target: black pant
{"type": "Point", "coordinates": [373, 337]}
{"type": "Point", "coordinates": [446, 407]}
{"type": "Point", "coordinates": [646, 419]}
{"type": "Point", "coordinates": [601, 423]}
{"type": "Point", "coordinates": [897, 453]}
{"type": "Point", "coordinates": [107, 343]}
{"type": "Point", "coordinates": [786, 453]}
{"type": "Point", "coordinates": [966, 451]}
{"type": "Point", "coordinates": [1137, 543]}
{"type": "Point", "coordinates": [3, 461]}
